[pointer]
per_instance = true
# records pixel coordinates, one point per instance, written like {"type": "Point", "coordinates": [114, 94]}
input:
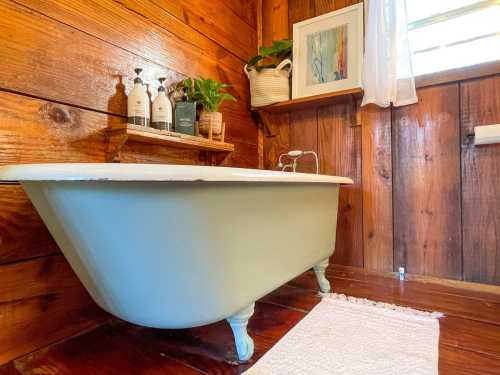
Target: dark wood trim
{"type": "Point", "coordinates": [459, 74]}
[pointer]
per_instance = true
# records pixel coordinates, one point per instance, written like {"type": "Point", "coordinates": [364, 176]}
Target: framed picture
{"type": "Point", "coordinates": [328, 52]}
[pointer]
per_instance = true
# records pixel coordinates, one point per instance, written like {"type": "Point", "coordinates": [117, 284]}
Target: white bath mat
{"type": "Point", "coordinates": [350, 336]}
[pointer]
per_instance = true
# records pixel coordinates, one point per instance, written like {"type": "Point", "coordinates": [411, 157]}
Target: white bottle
{"type": "Point", "coordinates": [162, 109]}
{"type": "Point", "coordinates": [138, 103]}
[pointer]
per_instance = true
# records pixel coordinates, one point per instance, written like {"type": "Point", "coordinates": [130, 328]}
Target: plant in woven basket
{"type": "Point", "coordinates": [269, 74]}
{"type": "Point", "coordinates": [210, 94]}
{"type": "Point", "coordinates": [270, 57]}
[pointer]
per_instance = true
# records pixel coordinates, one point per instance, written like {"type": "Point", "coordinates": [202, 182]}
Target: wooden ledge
{"type": "Point", "coordinates": [119, 135]}
{"type": "Point", "coordinates": [344, 96]}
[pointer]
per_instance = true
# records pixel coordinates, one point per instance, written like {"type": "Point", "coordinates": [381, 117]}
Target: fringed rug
{"type": "Point", "coordinates": [350, 336]}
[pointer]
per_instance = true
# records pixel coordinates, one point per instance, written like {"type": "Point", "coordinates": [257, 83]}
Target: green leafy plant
{"type": "Point", "coordinates": [184, 87]}
{"type": "Point", "coordinates": [270, 57]}
{"type": "Point", "coordinates": [208, 92]}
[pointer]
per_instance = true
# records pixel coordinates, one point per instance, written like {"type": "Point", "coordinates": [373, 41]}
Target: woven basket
{"type": "Point", "coordinates": [207, 118]}
{"type": "Point", "coordinates": [270, 85]}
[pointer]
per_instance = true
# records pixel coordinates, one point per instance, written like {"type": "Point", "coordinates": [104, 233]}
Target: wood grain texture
{"type": "Point", "coordinates": [411, 177]}
{"type": "Point", "coordinates": [304, 136]}
{"type": "Point", "coordinates": [310, 102]}
{"type": "Point", "coordinates": [105, 75]}
{"type": "Point", "coordinates": [68, 67]}
{"type": "Point", "coordinates": [426, 162]}
{"type": "Point", "coordinates": [47, 292]}
{"type": "Point", "coordinates": [276, 138]}
{"type": "Point", "coordinates": [340, 155]}
{"type": "Point", "coordinates": [480, 103]}
{"type": "Point", "coordinates": [376, 154]}
{"type": "Point", "coordinates": [325, 6]}
{"type": "Point", "coordinates": [22, 233]}
{"type": "Point", "coordinates": [467, 344]}
{"type": "Point", "coordinates": [218, 22]}
{"type": "Point", "coordinates": [274, 21]}
{"type": "Point", "coordinates": [299, 10]}
{"type": "Point", "coordinates": [102, 82]}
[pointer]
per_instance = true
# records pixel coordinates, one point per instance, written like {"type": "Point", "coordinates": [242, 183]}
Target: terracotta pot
{"type": "Point", "coordinates": [210, 118]}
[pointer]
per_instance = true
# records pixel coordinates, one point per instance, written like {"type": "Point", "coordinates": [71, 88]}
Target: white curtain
{"type": "Point", "coordinates": [387, 72]}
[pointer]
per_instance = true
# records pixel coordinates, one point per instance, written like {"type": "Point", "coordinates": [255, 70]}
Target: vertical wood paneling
{"type": "Point", "coordinates": [275, 21]}
{"type": "Point", "coordinates": [426, 163]}
{"type": "Point", "coordinates": [304, 136]}
{"type": "Point", "coordinates": [409, 206]}
{"type": "Point", "coordinates": [325, 6]}
{"type": "Point", "coordinates": [480, 103]}
{"type": "Point", "coordinates": [340, 154]}
{"type": "Point", "coordinates": [299, 10]}
{"type": "Point", "coordinates": [278, 141]}
{"type": "Point", "coordinates": [376, 163]}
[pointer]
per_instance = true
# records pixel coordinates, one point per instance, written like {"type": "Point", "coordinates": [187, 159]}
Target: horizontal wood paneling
{"type": "Point", "coordinates": [480, 103]}
{"type": "Point", "coordinates": [42, 301]}
{"type": "Point", "coordinates": [22, 233]}
{"type": "Point", "coordinates": [96, 75]}
{"type": "Point", "coordinates": [218, 22]}
{"type": "Point", "coordinates": [68, 66]}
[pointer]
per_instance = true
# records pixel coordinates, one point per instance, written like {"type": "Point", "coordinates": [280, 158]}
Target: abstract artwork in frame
{"type": "Point", "coordinates": [328, 52]}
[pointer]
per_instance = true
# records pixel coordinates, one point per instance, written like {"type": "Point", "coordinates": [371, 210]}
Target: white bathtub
{"type": "Point", "coordinates": [171, 246]}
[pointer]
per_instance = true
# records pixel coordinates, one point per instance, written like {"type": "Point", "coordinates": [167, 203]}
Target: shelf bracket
{"type": "Point", "coordinates": [262, 120]}
{"type": "Point", "coordinates": [353, 111]}
{"type": "Point", "coordinates": [116, 140]}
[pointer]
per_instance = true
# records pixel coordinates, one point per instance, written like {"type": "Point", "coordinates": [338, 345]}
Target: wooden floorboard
{"type": "Point", "coordinates": [469, 337]}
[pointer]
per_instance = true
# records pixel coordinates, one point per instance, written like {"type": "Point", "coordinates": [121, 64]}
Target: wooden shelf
{"type": "Point", "coordinates": [119, 135]}
{"type": "Point", "coordinates": [344, 96]}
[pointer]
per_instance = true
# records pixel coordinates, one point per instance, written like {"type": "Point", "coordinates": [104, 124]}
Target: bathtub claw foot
{"type": "Point", "coordinates": [319, 270]}
{"type": "Point", "coordinates": [238, 323]}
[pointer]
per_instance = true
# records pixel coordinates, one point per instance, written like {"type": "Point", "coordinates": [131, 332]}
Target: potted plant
{"type": "Point", "coordinates": [210, 94]}
{"type": "Point", "coordinates": [268, 77]}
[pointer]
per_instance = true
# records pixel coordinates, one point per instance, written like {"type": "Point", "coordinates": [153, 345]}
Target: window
{"type": "Point", "coordinates": [448, 34]}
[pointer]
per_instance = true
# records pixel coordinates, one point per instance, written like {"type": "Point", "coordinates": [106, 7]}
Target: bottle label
{"type": "Point", "coordinates": [139, 109]}
{"type": "Point", "coordinates": [161, 125]}
{"type": "Point", "coordinates": [161, 114]}
{"type": "Point", "coordinates": [135, 120]}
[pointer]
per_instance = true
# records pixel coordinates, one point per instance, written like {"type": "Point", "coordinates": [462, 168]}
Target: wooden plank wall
{"type": "Point", "coordinates": [66, 66]}
{"type": "Point", "coordinates": [424, 197]}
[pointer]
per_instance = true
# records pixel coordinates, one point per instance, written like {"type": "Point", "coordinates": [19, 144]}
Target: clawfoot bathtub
{"type": "Point", "coordinates": [181, 246]}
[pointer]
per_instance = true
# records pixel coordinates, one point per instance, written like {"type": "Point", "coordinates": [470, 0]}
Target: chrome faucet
{"type": "Point", "coordinates": [294, 156]}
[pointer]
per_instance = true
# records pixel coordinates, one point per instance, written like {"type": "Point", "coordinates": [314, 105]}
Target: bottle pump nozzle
{"type": "Point", "coordinates": [138, 79]}
{"type": "Point", "coordinates": [161, 87]}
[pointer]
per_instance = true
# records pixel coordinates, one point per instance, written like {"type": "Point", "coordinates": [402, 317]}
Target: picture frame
{"type": "Point", "coordinates": [328, 53]}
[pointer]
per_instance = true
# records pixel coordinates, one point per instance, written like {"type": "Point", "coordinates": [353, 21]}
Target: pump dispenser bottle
{"type": "Point", "coordinates": [138, 102]}
{"type": "Point", "coordinates": [162, 109]}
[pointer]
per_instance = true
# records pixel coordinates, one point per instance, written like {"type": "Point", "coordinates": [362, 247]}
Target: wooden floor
{"type": "Point", "coordinates": [469, 341]}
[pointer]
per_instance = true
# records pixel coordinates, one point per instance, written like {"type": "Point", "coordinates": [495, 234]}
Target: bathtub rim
{"type": "Point", "coordinates": [155, 172]}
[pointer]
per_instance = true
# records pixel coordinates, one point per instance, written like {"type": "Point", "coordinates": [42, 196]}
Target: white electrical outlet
{"type": "Point", "coordinates": [401, 273]}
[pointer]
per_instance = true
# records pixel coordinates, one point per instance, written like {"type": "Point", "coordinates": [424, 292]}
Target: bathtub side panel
{"type": "Point", "coordinates": [170, 255]}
